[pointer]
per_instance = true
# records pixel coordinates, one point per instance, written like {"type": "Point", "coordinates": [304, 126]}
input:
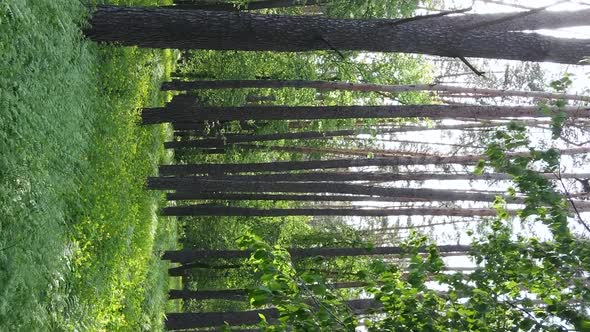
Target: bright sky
{"type": "Point", "coordinates": [448, 234]}
{"type": "Point", "coordinates": [582, 80]}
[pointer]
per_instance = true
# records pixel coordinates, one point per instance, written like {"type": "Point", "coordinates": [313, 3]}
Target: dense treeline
{"type": "Point", "coordinates": [324, 152]}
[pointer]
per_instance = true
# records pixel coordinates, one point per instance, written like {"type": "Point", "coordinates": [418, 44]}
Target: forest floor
{"type": "Point", "coordinates": [79, 235]}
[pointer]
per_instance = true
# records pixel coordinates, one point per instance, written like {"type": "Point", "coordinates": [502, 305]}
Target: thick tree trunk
{"type": "Point", "coordinates": [180, 111]}
{"type": "Point", "coordinates": [363, 87]}
{"type": "Point", "coordinates": [196, 29]}
{"type": "Point", "coordinates": [207, 210]}
{"type": "Point", "coordinates": [189, 255]}
{"type": "Point", "coordinates": [283, 166]}
{"type": "Point", "coordinates": [198, 185]}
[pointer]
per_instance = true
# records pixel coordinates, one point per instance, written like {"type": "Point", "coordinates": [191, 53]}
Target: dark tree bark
{"type": "Point", "coordinates": [181, 170]}
{"type": "Point", "coordinates": [179, 271]}
{"type": "Point", "coordinates": [253, 5]}
{"type": "Point", "coordinates": [177, 321]}
{"type": "Point", "coordinates": [259, 99]}
{"type": "Point", "coordinates": [196, 29]}
{"type": "Point", "coordinates": [222, 142]}
{"type": "Point", "coordinates": [241, 294]}
{"type": "Point", "coordinates": [189, 255]}
{"type": "Point", "coordinates": [226, 294]}
{"type": "Point", "coordinates": [272, 197]}
{"type": "Point", "coordinates": [198, 185]}
{"type": "Point", "coordinates": [207, 210]}
{"type": "Point", "coordinates": [181, 111]}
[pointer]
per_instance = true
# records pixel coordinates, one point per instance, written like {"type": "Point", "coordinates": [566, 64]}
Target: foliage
{"type": "Point", "coordinates": [290, 292]}
{"type": "Point", "coordinates": [519, 282]}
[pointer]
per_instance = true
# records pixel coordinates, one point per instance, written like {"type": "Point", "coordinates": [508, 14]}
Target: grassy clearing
{"type": "Point", "coordinates": [79, 238]}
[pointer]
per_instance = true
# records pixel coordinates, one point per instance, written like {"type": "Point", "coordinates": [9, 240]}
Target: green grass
{"type": "Point", "coordinates": [79, 236]}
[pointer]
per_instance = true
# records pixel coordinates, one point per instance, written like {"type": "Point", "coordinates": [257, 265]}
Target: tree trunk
{"type": "Point", "coordinates": [177, 321]}
{"type": "Point", "coordinates": [189, 255]}
{"type": "Point", "coordinates": [191, 195]}
{"type": "Point", "coordinates": [198, 185]}
{"type": "Point", "coordinates": [381, 177]}
{"type": "Point", "coordinates": [197, 29]}
{"type": "Point", "coordinates": [259, 99]}
{"type": "Point", "coordinates": [307, 135]}
{"type": "Point", "coordinates": [241, 294]}
{"type": "Point", "coordinates": [363, 87]}
{"type": "Point", "coordinates": [207, 210]}
{"type": "Point", "coordinates": [226, 294]}
{"type": "Point", "coordinates": [191, 112]}
{"type": "Point", "coordinates": [252, 5]}
{"type": "Point", "coordinates": [180, 170]}
{"type": "Point", "coordinates": [179, 271]}
{"type": "Point", "coordinates": [361, 152]}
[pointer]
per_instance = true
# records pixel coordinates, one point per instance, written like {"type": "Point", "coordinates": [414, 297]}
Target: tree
{"type": "Point", "coordinates": [337, 163]}
{"type": "Point", "coordinates": [196, 29]}
{"type": "Point", "coordinates": [363, 87]}
{"type": "Point", "coordinates": [193, 195]}
{"type": "Point", "coordinates": [221, 142]}
{"type": "Point", "coordinates": [189, 255]}
{"type": "Point", "coordinates": [198, 185]}
{"type": "Point", "coordinates": [241, 294]}
{"type": "Point", "coordinates": [383, 176]}
{"type": "Point", "coordinates": [176, 321]}
{"type": "Point", "coordinates": [208, 210]}
{"type": "Point", "coordinates": [177, 111]}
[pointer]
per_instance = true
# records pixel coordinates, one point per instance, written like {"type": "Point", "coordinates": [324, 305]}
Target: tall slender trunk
{"type": "Point", "coordinates": [197, 29]}
{"type": "Point", "coordinates": [198, 185]}
{"type": "Point", "coordinates": [361, 152]}
{"type": "Point", "coordinates": [191, 112]}
{"type": "Point", "coordinates": [180, 170]}
{"type": "Point", "coordinates": [308, 135]}
{"type": "Point", "coordinates": [225, 294]}
{"type": "Point", "coordinates": [363, 87]}
{"type": "Point", "coordinates": [402, 141]}
{"type": "Point", "coordinates": [242, 294]}
{"type": "Point", "coordinates": [381, 177]}
{"type": "Point", "coordinates": [177, 321]}
{"type": "Point", "coordinates": [191, 195]}
{"type": "Point", "coordinates": [190, 320]}
{"type": "Point", "coordinates": [180, 270]}
{"type": "Point", "coordinates": [207, 210]}
{"type": "Point", "coordinates": [189, 255]}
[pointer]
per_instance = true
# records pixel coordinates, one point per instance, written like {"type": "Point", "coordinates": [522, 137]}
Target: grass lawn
{"type": "Point", "coordinates": [79, 235]}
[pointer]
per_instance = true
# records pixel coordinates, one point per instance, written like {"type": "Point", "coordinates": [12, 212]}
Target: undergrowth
{"type": "Point", "coordinates": [79, 236]}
